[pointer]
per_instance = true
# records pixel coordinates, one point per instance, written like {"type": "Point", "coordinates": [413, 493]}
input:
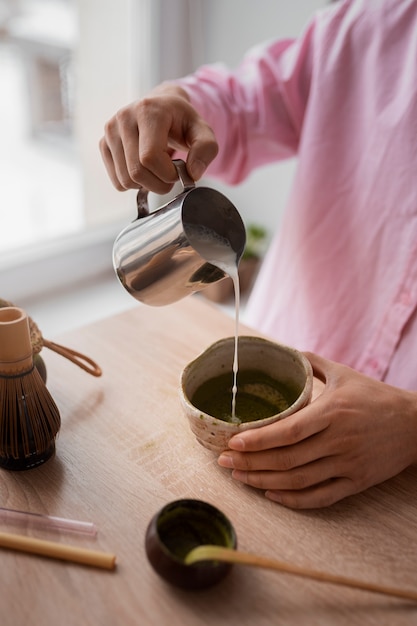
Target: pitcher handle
{"type": "Point", "coordinates": [186, 180]}
{"type": "Point", "coordinates": [142, 202]}
{"type": "Point", "coordinates": [142, 195]}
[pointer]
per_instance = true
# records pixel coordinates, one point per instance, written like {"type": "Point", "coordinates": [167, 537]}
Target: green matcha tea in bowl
{"type": "Point", "coordinates": [272, 382]}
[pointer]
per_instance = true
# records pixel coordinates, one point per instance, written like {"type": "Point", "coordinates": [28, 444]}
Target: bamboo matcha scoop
{"type": "Point", "coordinates": [229, 555]}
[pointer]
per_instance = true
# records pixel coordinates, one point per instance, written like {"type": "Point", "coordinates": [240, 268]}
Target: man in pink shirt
{"type": "Point", "coordinates": [340, 278]}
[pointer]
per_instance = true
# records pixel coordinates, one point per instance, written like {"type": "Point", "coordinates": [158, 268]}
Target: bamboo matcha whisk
{"type": "Point", "coordinates": [29, 417]}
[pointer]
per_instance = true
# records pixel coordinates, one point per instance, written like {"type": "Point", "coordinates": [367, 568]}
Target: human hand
{"type": "Point", "coordinates": [140, 139]}
{"type": "Point", "coordinates": [357, 433]}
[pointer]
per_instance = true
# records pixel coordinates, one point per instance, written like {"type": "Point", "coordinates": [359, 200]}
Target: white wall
{"type": "Point", "coordinates": [232, 26]}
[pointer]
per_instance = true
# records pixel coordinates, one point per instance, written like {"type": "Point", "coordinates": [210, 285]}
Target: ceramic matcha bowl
{"type": "Point", "coordinates": [273, 382]}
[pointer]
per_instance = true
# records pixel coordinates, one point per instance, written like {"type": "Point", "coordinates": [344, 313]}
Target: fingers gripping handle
{"type": "Point", "coordinates": [142, 195]}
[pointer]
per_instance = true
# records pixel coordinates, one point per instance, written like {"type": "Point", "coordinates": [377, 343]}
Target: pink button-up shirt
{"type": "Point", "coordinates": [340, 277]}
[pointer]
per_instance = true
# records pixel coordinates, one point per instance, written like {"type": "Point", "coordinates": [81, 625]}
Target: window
{"type": "Point", "coordinates": [37, 155]}
{"type": "Point", "coordinates": [65, 67]}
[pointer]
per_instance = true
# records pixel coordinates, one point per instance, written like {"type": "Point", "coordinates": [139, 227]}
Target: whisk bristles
{"type": "Point", "coordinates": [29, 417]}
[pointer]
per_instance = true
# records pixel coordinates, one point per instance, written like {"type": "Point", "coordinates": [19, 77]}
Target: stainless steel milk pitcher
{"type": "Point", "coordinates": [159, 258]}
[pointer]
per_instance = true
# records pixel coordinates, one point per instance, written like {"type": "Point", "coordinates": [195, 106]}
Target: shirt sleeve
{"type": "Point", "coordinates": [256, 111]}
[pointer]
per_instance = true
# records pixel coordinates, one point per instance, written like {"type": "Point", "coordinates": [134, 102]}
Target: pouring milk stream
{"type": "Point", "coordinates": [218, 251]}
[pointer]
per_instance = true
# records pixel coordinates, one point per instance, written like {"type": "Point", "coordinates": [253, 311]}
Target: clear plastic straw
{"type": "Point", "coordinates": [47, 522]}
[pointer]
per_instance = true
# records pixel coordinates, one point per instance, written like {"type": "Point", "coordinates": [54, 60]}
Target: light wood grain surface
{"type": "Point", "coordinates": [125, 450]}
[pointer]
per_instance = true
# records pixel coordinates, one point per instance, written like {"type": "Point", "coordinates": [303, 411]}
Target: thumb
{"type": "Point", "coordinates": [203, 148]}
{"type": "Point", "coordinates": [320, 365]}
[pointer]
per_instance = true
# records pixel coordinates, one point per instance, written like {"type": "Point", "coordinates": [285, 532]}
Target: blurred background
{"type": "Point", "coordinates": [66, 66]}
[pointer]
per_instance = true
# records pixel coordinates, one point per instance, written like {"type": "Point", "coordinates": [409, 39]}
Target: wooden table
{"type": "Point", "coordinates": [124, 450]}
